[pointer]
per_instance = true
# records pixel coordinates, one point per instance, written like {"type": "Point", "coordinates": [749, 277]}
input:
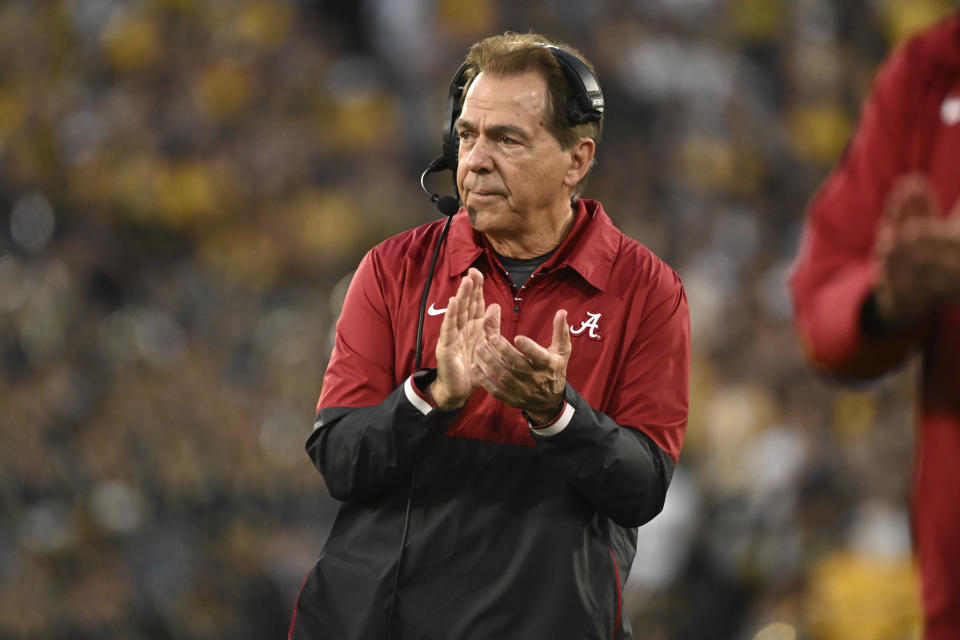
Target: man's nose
{"type": "Point", "coordinates": [479, 159]}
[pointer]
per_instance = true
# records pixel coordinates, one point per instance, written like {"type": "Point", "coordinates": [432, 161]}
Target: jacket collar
{"type": "Point", "coordinates": [589, 249]}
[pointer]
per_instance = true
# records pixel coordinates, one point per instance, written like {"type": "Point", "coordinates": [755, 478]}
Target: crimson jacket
{"type": "Point", "coordinates": [506, 532]}
{"type": "Point", "coordinates": [911, 122]}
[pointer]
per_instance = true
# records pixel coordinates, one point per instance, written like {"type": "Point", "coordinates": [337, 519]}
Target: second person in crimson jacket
{"type": "Point", "coordinates": [877, 279]}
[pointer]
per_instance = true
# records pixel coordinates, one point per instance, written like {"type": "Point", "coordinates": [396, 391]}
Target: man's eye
{"type": "Point", "coordinates": [507, 140]}
{"type": "Point", "coordinates": [464, 135]}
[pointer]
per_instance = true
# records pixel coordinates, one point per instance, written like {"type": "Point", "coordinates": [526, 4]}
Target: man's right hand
{"type": "Point", "coordinates": [460, 332]}
{"type": "Point", "coordinates": [919, 253]}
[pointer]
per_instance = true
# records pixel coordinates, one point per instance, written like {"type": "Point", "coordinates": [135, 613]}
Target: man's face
{"type": "Point", "coordinates": [511, 169]}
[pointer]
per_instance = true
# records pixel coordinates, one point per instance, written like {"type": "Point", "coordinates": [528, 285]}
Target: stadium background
{"type": "Point", "coordinates": [185, 187]}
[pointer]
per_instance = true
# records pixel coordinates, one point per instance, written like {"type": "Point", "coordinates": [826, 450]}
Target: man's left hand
{"type": "Point", "coordinates": [525, 374]}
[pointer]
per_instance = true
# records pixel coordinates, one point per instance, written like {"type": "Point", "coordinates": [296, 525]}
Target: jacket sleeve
{"type": "Point", "coordinates": [835, 272]}
{"type": "Point", "coordinates": [368, 427]}
{"type": "Point", "coordinates": [622, 460]}
{"type": "Point", "coordinates": [363, 451]}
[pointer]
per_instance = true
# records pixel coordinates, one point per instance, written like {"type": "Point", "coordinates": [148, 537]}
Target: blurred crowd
{"type": "Point", "coordinates": [186, 186]}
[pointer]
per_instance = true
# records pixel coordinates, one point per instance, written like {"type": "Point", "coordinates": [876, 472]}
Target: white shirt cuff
{"type": "Point", "coordinates": [553, 429]}
{"type": "Point", "coordinates": [415, 398]}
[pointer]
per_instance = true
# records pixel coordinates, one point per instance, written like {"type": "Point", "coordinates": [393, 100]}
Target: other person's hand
{"type": "Point", "coordinates": [919, 254]}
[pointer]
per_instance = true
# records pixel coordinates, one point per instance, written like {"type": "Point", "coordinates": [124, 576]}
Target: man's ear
{"type": "Point", "coordinates": [581, 157]}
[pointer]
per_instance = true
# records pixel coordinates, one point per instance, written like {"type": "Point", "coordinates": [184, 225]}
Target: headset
{"type": "Point", "coordinates": [585, 104]}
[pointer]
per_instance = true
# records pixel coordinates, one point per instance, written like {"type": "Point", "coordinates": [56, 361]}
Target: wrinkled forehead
{"type": "Point", "coordinates": [522, 94]}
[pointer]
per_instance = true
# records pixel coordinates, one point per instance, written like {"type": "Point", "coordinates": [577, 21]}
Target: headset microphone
{"type": "Point", "coordinates": [447, 205]}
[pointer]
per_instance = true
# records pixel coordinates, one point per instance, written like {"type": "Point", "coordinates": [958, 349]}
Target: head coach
{"type": "Point", "coordinates": [508, 390]}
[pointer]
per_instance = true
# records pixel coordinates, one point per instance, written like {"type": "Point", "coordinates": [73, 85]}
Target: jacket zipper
{"type": "Point", "coordinates": [515, 300]}
{"type": "Point", "coordinates": [518, 297]}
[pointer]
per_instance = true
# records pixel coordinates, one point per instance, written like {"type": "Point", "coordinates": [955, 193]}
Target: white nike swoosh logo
{"type": "Point", "coordinates": [433, 311]}
{"type": "Point", "coordinates": [950, 110]}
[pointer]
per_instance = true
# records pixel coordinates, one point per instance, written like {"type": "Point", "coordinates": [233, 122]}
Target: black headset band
{"type": "Point", "coordinates": [586, 99]}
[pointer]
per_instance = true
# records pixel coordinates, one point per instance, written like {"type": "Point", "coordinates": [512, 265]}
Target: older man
{"type": "Point", "coordinates": [495, 491]}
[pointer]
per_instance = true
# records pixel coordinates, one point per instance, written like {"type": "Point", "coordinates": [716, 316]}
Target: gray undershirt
{"type": "Point", "coordinates": [520, 269]}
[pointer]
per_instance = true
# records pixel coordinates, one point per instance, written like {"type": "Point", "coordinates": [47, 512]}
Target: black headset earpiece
{"type": "Point", "coordinates": [451, 142]}
{"type": "Point", "coordinates": [586, 100]}
{"type": "Point", "coordinates": [585, 103]}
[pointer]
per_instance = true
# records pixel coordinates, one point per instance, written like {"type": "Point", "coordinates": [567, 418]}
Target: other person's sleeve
{"type": "Point", "coordinates": [835, 271]}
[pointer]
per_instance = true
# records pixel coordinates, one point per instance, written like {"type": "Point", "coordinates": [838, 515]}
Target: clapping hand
{"type": "Point", "coordinates": [524, 374]}
{"type": "Point", "coordinates": [918, 251]}
{"type": "Point", "coordinates": [461, 331]}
